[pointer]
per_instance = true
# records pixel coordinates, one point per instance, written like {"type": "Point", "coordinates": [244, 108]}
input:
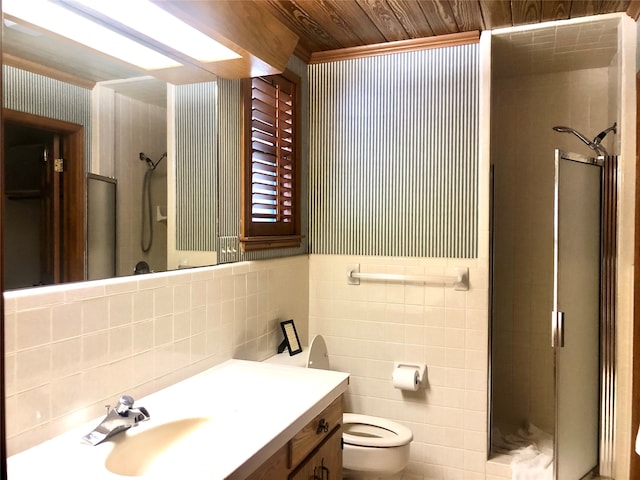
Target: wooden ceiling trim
{"type": "Point", "coordinates": [439, 41]}
{"type": "Point", "coordinates": [496, 13]}
{"type": "Point", "coordinates": [303, 22]}
{"type": "Point", "coordinates": [50, 72]}
{"type": "Point", "coordinates": [265, 43]}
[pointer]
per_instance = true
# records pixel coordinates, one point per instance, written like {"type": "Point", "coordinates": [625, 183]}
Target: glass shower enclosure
{"type": "Point", "coordinates": [552, 332]}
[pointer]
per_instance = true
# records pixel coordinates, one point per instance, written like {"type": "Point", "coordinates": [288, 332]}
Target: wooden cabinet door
{"type": "Point", "coordinates": [325, 463]}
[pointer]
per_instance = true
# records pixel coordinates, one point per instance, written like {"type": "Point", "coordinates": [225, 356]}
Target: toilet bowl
{"type": "Point", "coordinates": [374, 447]}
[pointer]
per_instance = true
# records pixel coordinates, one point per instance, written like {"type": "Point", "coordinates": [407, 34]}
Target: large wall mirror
{"type": "Point", "coordinates": [106, 209]}
{"type": "Point", "coordinates": [121, 206]}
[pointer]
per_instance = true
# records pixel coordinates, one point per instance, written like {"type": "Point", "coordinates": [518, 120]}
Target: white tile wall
{"type": "Point", "coordinates": [71, 349]}
{"type": "Point", "coordinates": [140, 127]}
{"type": "Point", "coordinates": [525, 110]}
{"type": "Point", "coordinates": [369, 326]}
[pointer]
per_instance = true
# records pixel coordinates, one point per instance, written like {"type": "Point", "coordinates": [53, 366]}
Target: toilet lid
{"type": "Point", "coordinates": [318, 357]}
{"type": "Point", "coordinates": [397, 436]}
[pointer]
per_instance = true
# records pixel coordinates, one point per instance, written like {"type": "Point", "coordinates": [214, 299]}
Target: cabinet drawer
{"type": "Point", "coordinates": [325, 462]}
{"type": "Point", "coordinates": [310, 436]}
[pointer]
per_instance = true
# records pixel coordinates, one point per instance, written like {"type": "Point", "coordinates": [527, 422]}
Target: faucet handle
{"type": "Point", "coordinates": [124, 404]}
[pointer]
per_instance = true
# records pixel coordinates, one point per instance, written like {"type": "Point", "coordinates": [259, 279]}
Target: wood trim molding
{"type": "Point", "coordinates": [74, 189]}
{"type": "Point", "coordinates": [438, 41]}
{"type": "Point", "coordinates": [250, 244]}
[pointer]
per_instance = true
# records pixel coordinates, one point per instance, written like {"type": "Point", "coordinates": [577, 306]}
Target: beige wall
{"type": "Point", "coordinates": [71, 349]}
{"type": "Point", "coordinates": [369, 326]}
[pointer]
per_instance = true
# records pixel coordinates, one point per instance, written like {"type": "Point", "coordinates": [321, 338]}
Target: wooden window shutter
{"type": "Point", "coordinates": [270, 173]}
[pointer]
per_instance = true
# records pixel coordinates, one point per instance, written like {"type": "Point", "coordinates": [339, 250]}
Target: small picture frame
{"type": "Point", "coordinates": [291, 337]}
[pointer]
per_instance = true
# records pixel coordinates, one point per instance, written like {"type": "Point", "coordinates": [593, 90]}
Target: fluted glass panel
{"type": "Point", "coordinates": [394, 154]}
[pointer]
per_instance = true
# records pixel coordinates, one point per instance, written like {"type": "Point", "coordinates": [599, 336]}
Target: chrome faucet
{"type": "Point", "coordinates": [119, 419]}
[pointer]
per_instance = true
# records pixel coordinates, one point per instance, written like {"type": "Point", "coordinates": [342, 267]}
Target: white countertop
{"type": "Point", "coordinates": [255, 409]}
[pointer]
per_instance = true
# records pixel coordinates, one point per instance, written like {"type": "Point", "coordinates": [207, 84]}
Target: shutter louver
{"type": "Point", "coordinates": [272, 156]}
{"type": "Point", "coordinates": [271, 203]}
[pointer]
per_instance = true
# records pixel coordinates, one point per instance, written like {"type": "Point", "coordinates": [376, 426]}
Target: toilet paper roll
{"type": "Point", "coordinates": [406, 378]}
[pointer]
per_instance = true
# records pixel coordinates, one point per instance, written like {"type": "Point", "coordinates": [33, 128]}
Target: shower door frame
{"type": "Point", "coordinates": [607, 311]}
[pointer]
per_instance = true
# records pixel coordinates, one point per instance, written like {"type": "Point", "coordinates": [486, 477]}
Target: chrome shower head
{"type": "Point", "coordinates": [150, 163]}
{"type": "Point", "coordinates": [584, 139]}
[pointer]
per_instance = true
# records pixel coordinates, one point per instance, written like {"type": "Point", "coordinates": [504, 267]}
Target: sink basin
{"type": "Point", "coordinates": [165, 448]}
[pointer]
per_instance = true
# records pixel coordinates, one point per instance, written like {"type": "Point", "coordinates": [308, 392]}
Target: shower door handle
{"type": "Point", "coordinates": [557, 329]}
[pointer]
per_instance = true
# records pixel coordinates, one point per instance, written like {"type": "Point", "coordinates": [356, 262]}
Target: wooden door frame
{"type": "Point", "coordinates": [73, 268]}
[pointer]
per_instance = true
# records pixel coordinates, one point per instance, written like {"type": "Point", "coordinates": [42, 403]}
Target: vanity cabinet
{"type": "Point", "coordinates": [325, 463]}
{"type": "Point", "coordinates": [314, 450]}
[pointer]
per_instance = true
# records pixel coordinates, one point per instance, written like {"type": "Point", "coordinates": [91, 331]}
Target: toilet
{"type": "Point", "coordinates": [374, 447]}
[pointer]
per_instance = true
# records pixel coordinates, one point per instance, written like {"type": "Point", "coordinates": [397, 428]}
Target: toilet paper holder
{"type": "Point", "coordinates": [421, 367]}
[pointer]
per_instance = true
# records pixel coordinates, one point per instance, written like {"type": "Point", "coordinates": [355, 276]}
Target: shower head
{"type": "Point", "coordinates": [562, 129]}
{"type": "Point", "coordinates": [150, 163]}
{"type": "Point", "coordinates": [593, 144]}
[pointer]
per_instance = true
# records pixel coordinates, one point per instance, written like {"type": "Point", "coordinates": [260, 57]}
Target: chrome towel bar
{"type": "Point", "coordinates": [459, 280]}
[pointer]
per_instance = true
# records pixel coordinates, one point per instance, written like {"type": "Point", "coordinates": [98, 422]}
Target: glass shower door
{"type": "Point", "coordinates": [576, 315]}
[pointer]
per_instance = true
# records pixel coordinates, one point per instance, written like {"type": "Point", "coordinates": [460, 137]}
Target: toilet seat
{"type": "Point", "coordinates": [376, 432]}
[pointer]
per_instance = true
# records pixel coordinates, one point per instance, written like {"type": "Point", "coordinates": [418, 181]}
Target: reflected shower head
{"type": "Point", "coordinates": [150, 163]}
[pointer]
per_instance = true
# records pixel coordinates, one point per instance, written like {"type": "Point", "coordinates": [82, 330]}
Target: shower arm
{"type": "Point", "coordinates": [594, 144]}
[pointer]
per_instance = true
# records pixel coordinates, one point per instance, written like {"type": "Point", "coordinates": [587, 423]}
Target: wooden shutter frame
{"type": "Point", "coordinates": [258, 235]}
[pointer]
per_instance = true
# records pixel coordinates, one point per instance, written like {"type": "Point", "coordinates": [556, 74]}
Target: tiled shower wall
{"type": "Point", "coordinates": [71, 349]}
{"type": "Point", "coordinates": [525, 110]}
{"type": "Point", "coordinates": [369, 326]}
{"type": "Point", "coordinates": [140, 127]}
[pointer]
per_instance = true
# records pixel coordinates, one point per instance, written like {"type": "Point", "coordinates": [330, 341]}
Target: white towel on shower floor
{"type": "Point", "coordinates": [531, 450]}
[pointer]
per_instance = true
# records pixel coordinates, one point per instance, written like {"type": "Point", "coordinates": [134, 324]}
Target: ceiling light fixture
{"type": "Point", "coordinates": [152, 21]}
{"type": "Point", "coordinates": [52, 17]}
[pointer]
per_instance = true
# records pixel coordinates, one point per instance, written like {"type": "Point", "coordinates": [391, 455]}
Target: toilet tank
{"type": "Point", "coordinates": [313, 356]}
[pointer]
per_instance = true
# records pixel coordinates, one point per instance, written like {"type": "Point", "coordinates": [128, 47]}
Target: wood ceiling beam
{"type": "Point", "coordinates": [438, 41]}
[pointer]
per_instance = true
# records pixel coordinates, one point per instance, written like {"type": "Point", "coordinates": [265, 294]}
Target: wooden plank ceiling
{"type": "Point", "coordinates": [325, 25]}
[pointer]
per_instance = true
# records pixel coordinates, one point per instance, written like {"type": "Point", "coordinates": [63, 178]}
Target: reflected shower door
{"type": "Point", "coordinates": [576, 316]}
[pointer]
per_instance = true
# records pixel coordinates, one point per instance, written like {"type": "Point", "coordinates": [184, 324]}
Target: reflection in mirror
{"type": "Point", "coordinates": [130, 125]}
{"type": "Point", "coordinates": [120, 114]}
